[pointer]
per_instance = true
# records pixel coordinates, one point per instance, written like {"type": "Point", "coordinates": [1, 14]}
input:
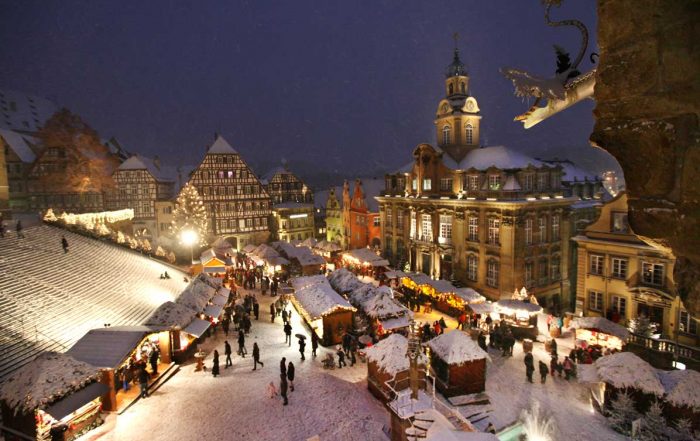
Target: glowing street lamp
{"type": "Point", "coordinates": [189, 237]}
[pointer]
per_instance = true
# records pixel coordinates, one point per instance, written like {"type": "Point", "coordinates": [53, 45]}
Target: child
{"type": "Point", "coordinates": [271, 390]}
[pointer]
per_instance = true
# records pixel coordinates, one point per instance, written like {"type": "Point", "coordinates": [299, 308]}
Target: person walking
{"type": "Point", "coordinates": [153, 359]}
{"type": "Point", "coordinates": [443, 324]}
{"type": "Point", "coordinates": [288, 333]}
{"type": "Point", "coordinates": [341, 358]}
{"type": "Point", "coordinates": [568, 368]}
{"type": "Point", "coordinates": [143, 382]}
{"type": "Point", "coordinates": [241, 343]}
{"type": "Point", "coordinates": [529, 366]}
{"type": "Point", "coordinates": [553, 365]}
{"type": "Point", "coordinates": [314, 343]}
{"type": "Point", "coordinates": [554, 346]}
{"type": "Point", "coordinates": [290, 375]}
{"type": "Point", "coordinates": [283, 367]}
{"type": "Point", "coordinates": [256, 356]}
{"type": "Point", "coordinates": [227, 352]}
{"type": "Point", "coordinates": [215, 367]}
{"type": "Point", "coordinates": [544, 370]}
{"type": "Point", "coordinates": [302, 346]}
{"type": "Point", "coordinates": [18, 229]}
{"type": "Point", "coordinates": [284, 316]}
{"type": "Point", "coordinates": [273, 312]}
{"type": "Point", "coordinates": [256, 309]}
{"type": "Point", "coordinates": [64, 244]}
{"type": "Point", "coordinates": [283, 388]}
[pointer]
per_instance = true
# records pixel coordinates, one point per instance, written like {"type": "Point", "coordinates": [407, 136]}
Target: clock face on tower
{"type": "Point", "coordinates": [470, 106]}
{"type": "Point", "coordinates": [444, 108]}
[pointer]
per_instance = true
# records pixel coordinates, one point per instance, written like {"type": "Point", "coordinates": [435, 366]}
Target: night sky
{"type": "Point", "coordinates": [348, 86]}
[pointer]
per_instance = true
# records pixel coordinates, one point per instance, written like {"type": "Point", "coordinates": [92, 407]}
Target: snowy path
{"type": "Point", "coordinates": [335, 405]}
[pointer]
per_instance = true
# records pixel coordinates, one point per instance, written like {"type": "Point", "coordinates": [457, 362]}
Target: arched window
{"type": "Point", "coordinates": [446, 135]}
{"type": "Point", "coordinates": [469, 130]}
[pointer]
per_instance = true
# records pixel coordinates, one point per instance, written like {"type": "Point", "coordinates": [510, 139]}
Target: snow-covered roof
{"type": "Point", "coordinates": [108, 347]}
{"type": "Point", "coordinates": [24, 112]}
{"type": "Point", "coordinates": [372, 188]}
{"type": "Point", "coordinates": [500, 157]}
{"type": "Point", "coordinates": [441, 429]}
{"type": "Point", "coordinates": [196, 295]}
{"type": "Point", "coordinates": [511, 184]}
{"type": "Point", "coordinates": [162, 173]}
{"type": "Point", "coordinates": [682, 387]}
{"type": "Point", "coordinates": [406, 168]}
{"type": "Point", "coordinates": [469, 295]}
{"type": "Point", "coordinates": [403, 321]}
{"type": "Point", "coordinates": [279, 170]}
{"type": "Point", "coordinates": [510, 306]}
{"type": "Point", "coordinates": [624, 369]}
{"type": "Point", "coordinates": [394, 274]}
{"type": "Point", "coordinates": [457, 347]}
{"type": "Point", "coordinates": [419, 278]}
{"type": "Point", "coordinates": [20, 144]}
{"type": "Point", "coordinates": [442, 286]}
{"type": "Point", "coordinates": [316, 297]}
{"type": "Point", "coordinates": [601, 324]}
{"type": "Point", "coordinates": [482, 308]}
{"type": "Point", "coordinates": [572, 172]}
{"type": "Point", "coordinates": [222, 246]}
{"type": "Point", "coordinates": [309, 242]}
{"type": "Point", "coordinates": [249, 248]}
{"type": "Point", "coordinates": [47, 379]}
{"type": "Point", "coordinates": [221, 146]}
{"type": "Point", "coordinates": [390, 354]}
{"type": "Point", "coordinates": [344, 281]}
{"type": "Point", "coordinates": [364, 255]}
{"type": "Point", "coordinates": [170, 314]}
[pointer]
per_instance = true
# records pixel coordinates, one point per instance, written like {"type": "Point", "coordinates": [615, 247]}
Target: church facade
{"type": "Point", "coordinates": [491, 218]}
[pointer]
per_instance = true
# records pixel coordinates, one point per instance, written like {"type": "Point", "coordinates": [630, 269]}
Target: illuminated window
{"type": "Point", "coordinates": [492, 271]}
{"type": "Point", "coordinates": [473, 182]}
{"type": "Point", "coordinates": [595, 264]}
{"type": "Point", "coordinates": [653, 273]}
{"type": "Point", "coordinates": [446, 135]}
{"type": "Point", "coordinates": [427, 184]}
{"type": "Point", "coordinates": [469, 134]}
{"type": "Point", "coordinates": [426, 228]}
{"type": "Point", "coordinates": [494, 231]}
{"type": "Point", "coordinates": [445, 229]}
{"type": "Point", "coordinates": [595, 300]}
{"type": "Point", "coordinates": [474, 229]}
{"type": "Point", "coordinates": [388, 222]}
{"type": "Point", "coordinates": [494, 182]}
{"type": "Point", "coordinates": [555, 227]}
{"type": "Point", "coordinates": [472, 267]}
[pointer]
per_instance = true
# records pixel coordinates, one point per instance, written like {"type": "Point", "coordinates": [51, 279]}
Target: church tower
{"type": "Point", "coordinates": [457, 120]}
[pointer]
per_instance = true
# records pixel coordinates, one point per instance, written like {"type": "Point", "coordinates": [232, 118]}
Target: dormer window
{"type": "Point", "coordinates": [469, 134]}
{"type": "Point", "coordinates": [528, 181]}
{"type": "Point", "coordinates": [446, 135]}
{"type": "Point", "coordinates": [494, 182]}
{"type": "Point", "coordinates": [427, 184]}
{"type": "Point", "coordinates": [542, 181]}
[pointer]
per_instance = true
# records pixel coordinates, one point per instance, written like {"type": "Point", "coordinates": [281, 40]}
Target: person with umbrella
{"type": "Point", "coordinates": [302, 344]}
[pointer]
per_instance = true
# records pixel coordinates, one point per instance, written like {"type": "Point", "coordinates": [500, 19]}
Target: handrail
{"type": "Point", "coordinates": [663, 345]}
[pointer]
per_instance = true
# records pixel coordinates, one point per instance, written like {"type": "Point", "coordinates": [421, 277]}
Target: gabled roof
{"type": "Point", "coordinates": [267, 177]}
{"type": "Point", "coordinates": [457, 347]}
{"type": "Point", "coordinates": [499, 156]}
{"type": "Point", "coordinates": [159, 172]}
{"type": "Point", "coordinates": [108, 347]}
{"type": "Point", "coordinates": [20, 144]}
{"type": "Point", "coordinates": [221, 146]}
{"type": "Point", "coordinates": [24, 112]}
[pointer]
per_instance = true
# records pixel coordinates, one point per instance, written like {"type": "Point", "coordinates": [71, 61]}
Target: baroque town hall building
{"type": "Point", "coordinates": [491, 218]}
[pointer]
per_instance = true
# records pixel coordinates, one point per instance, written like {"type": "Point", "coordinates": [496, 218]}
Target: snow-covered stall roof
{"type": "Point", "coordinates": [214, 282]}
{"type": "Point", "coordinates": [249, 248]}
{"type": "Point", "coordinates": [382, 305]}
{"type": "Point", "coordinates": [170, 314]}
{"type": "Point", "coordinates": [344, 281]}
{"type": "Point", "coordinates": [601, 324]}
{"type": "Point", "coordinates": [441, 429]}
{"type": "Point", "coordinates": [442, 286]}
{"type": "Point", "coordinates": [624, 369]}
{"type": "Point", "coordinates": [317, 298]}
{"type": "Point", "coordinates": [390, 354]}
{"type": "Point", "coordinates": [482, 308]}
{"type": "Point", "coordinates": [457, 347]}
{"type": "Point", "coordinates": [469, 295]}
{"type": "Point", "coordinates": [365, 255]}
{"type": "Point", "coordinates": [108, 347]}
{"type": "Point", "coordinates": [196, 296]}
{"type": "Point", "coordinates": [45, 380]}
{"type": "Point", "coordinates": [682, 387]}
{"type": "Point", "coordinates": [419, 278]}
{"type": "Point", "coordinates": [309, 242]}
{"type": "Point", "coordinates": [394, 274]}
{"type": "Point", "coordinates": [510, 306]}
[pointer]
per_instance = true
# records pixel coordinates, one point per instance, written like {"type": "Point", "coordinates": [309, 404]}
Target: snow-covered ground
{"type": "Point", "coordinates": [333, 404]}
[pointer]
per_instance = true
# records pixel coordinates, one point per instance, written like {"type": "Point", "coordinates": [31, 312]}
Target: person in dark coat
{"type": "Point", "coordinates": [256, 309]}
{"type": "Point", "coordinates": [18, 229]}
{"type": "Point", "coordinates": [227, 352]}
{"type": "Point", "coordinates": [284, 316]}
{"type": "Point", "coordinates": [256, 356]}
{"type": "Point", "coordinates": [482, 342]}
{"type": "Point", "coordinates": [544, 369]}
{"type": "Point", "coordinates": [225, 324]}
{"type": "Point", "coordinates": [290, 376]}
{"type": "Point", "coordinates": [241, 344]}
{"type": "Point", "coordinates": [143, 381]}
{"type": "Point", "coordinates": [153, 360]}
{"type": "Point", "coordinates": [283, 367]}
{"type": "Point", "coordinates": [283, 388]}
{"type": "Point", "coordinates": [314, 343]}
{"type": "Point", "coordinates": [553, 365]}
{"type": "Point", "coordinates": [529, 366]}
{"type": "Point", "coordinates": [288, 333]}
{"type": "Point", "coordinates": [64, 244]}
{"type": "Point", "coordinates": [443, 325]}
{"type": "Point", "coordinates": [215, 367]}
{"type": "Point", "coordinates": [273, 312]}
{"type": "Point", "coordinates": [554, 346]}
{"type": "Point", "coordinates": [341, 358]}
{"type": "Point", "coordinates": [302, 346]}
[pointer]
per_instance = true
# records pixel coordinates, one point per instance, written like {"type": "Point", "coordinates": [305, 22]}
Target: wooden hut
{"type": "Point", "coordinates": [323, 309]}
{"type": "Point", "coordinates": [387, 367]}
{"type": "Point", "coordinates": [53, 397]}
{"type": "Point", "coordinates": [212, 263]}
{"type": "Point", "coordinates": [599, 331]}
{"type": "Point", "coordinates": [520, 316]}
{"type": "Point", "coordinates": [458, 363]}
{"type": "Point", "coordinates": [682, 397]}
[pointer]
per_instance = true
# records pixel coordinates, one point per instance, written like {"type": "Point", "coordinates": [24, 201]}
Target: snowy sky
{"type": "Point", "coordinates": [354, 84]}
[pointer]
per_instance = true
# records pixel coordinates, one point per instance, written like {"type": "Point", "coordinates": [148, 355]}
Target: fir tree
{"type": "Point", "coordinates": [622, 413]}
{"type": "Point", "coordinates": [653, 424]}
{"type": "Point", "coordinates": [684, 430]}
{"type": "Point", "coordinates": [50, 216]}
{"type": "Point", "coordinates": [642, 326]}
{"type": "Point", "coordinates": [160, 252]}
{"type": "Point", "coordinates": [190, 214]}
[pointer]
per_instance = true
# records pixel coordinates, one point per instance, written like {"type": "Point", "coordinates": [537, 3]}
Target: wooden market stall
{"type": "Point", "coordinates": [449, 299]}
{"type": "Point", "coordinates": [599, 331]}
{"type": "Point", "coordinates": [681, 398]}
{"type": "Point", "coordinates": [324, 310]}
{"type": "Point", "coordinates": [387, 367]}
{"type": "Point", "coordinates": [345, 281]}
{"type": "Point", "coordinates": [384, 313]}
{"type": "Point", "coordinates": [458, 363]}
{"type": "Point", "coordinates": [365, 261]}
{"type": "Point", "coordinates": [520, 316]}
{"type": "Point", "coordinates": [53, 397]}
{"type": "Point", "coordinates": [213, 264]}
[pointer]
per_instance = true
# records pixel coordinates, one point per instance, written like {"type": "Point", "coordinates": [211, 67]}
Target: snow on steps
{"type": "Point", "coordinates": [48, 299]}
{"type": "Point", "coordinates": [163, 377]}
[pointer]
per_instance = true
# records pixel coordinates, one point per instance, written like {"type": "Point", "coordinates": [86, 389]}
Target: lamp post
{"type": "Point", "coordinates": [189, 237]}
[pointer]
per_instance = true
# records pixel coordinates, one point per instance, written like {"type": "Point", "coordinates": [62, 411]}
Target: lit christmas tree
{"type": "Point", "coordinates": [190, 215]}
{"type": "Point", "coordinates": [622, 413]}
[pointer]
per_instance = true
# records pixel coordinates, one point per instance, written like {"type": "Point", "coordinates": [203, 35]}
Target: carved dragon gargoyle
{"type": "Point", "coordinates": [565, 89]}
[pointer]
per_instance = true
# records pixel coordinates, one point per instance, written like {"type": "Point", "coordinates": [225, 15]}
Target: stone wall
{"type": "Point", "coordinates": [647, 107]}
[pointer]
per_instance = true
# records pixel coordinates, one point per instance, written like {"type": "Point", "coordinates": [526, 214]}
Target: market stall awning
{"type": "Point", "coordinates": [419, 278]}
{"type": "Point", "coordinates": [76, 400]}
{"type": "Point", "coordinates": [510, 306]}
{"type": "Point", "coordinates": [469, 295]}
{"type": "Point", "coordinates": [442, 286]}
{"type": "Point", "coordinates": [214, 269]}
{"type": "Point", "coordinates": [249, 248]}
{"type": "Point", "coordinates": [601, 324]}
{"type": "Point", "coordinates": [481, 308]}
{"type": "Point", "coordinates": [396, 323]}
{"type": "Point", "coordinates": [213, 311]}
{"type": "Point", "coordinates": [381, 262]}
{"type": "Point", "coordinates": [197, 327]}
{"type": "Point", "coordinates": [219, 300]}
{"type": "Point", "coordinates": [394, 274]}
